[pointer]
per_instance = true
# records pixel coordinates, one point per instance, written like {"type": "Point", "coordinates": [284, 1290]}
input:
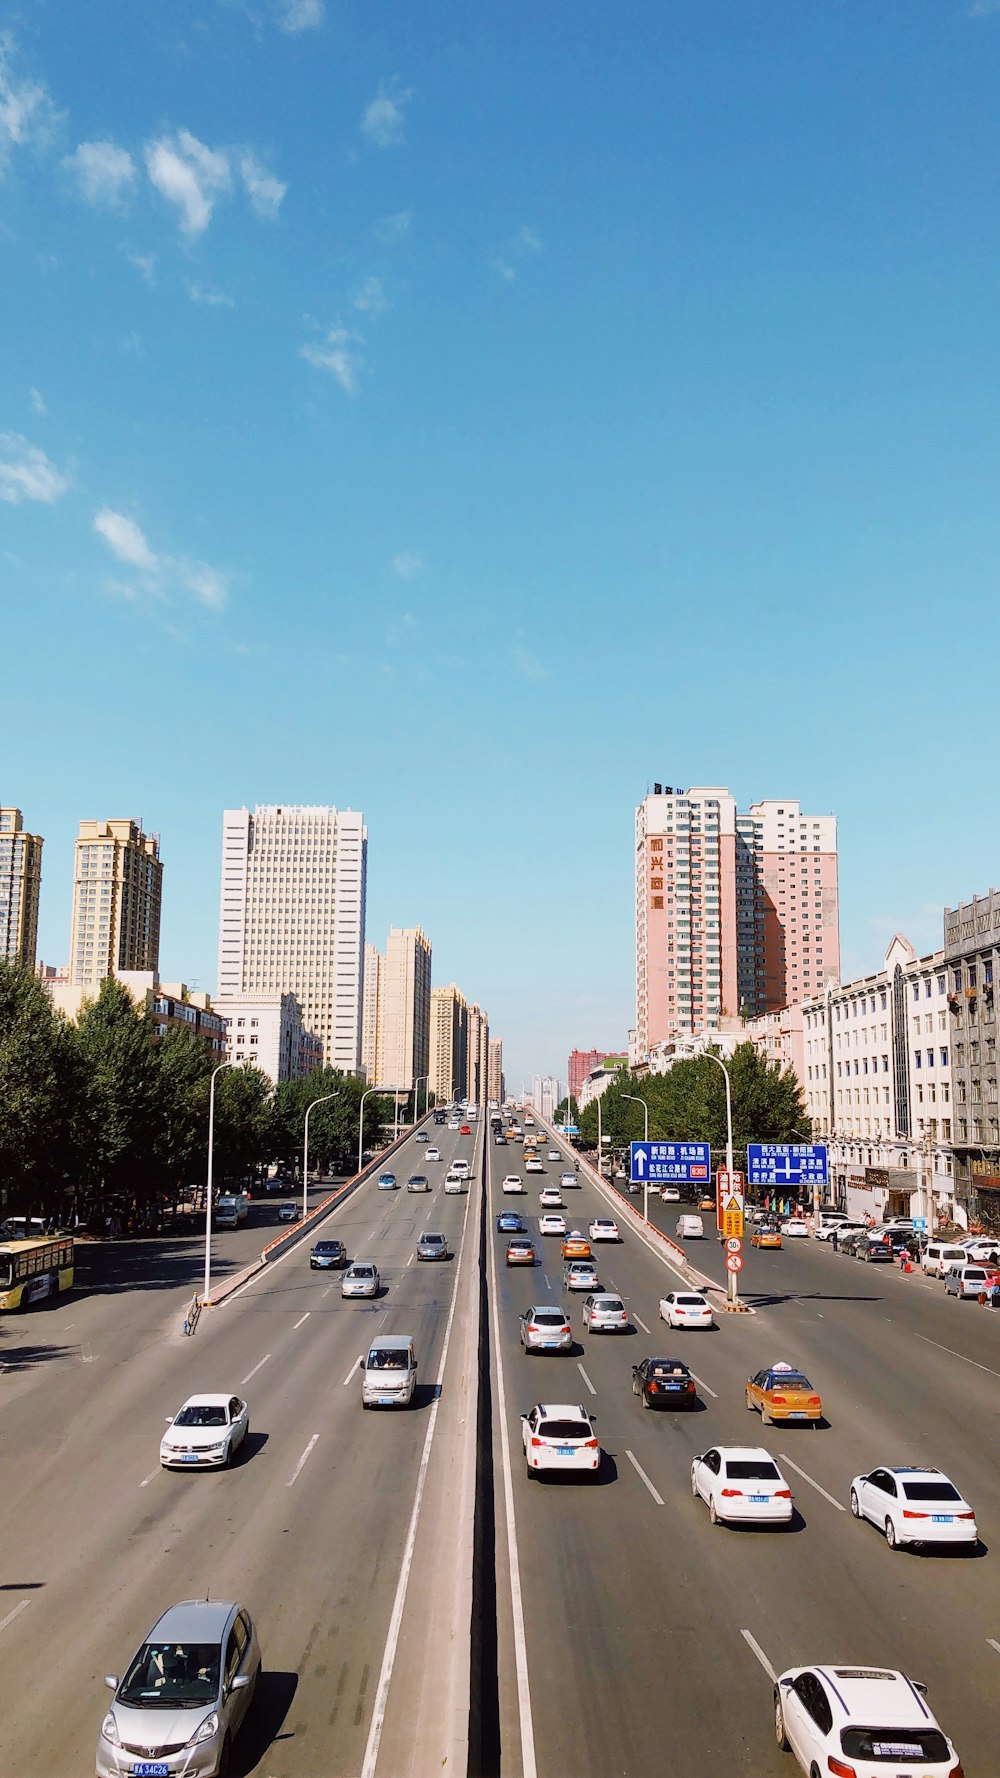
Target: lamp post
{"type": "Point", "coordinates": [361, 1119]}
{"type": "Point", "coordinates": [634, 1099]}
{"type": "Point", "coordinates": [732, 1287]}
{"type": "Point", "coordinates": [305, 1150]}
{"type": "Point", "coordinates": [425, 1078]}
{"type": "Point", "coordinates": [208, 1184]}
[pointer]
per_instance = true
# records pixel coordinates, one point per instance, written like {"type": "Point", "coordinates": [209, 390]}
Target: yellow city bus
{"type": "Point", "coordinates": [33, 1268]}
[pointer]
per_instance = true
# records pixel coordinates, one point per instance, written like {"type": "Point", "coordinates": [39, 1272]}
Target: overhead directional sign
{"type": "Point", "coordinates": [670, 1163]}
{"type": "Point", "coordinates": [787, 1163]}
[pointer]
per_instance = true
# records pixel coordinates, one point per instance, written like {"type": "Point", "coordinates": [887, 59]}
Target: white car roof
{"type": "Point", "coordinates": [746, 1453]}
{"type": "Point", "coordinates": [209, 1401]}
{"type": "Point", "coordinates": [562, 1410]}
{"type": "Point", "coordinates": [877, 1694]}
{"type": "Point", "coordinates": [604, 1221]}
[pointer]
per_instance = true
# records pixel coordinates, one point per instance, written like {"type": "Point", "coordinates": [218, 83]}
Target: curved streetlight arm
{"type": "Point", "coordinates": [733, 1291]}
{"type": "Point", "coordinates": [208, 1181]}
{"type": "Point", "coordinates": [324, 1100]}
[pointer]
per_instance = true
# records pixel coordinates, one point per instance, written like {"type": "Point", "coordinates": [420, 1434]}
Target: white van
{"type": "Point", "coordinates": [939, 1255]}
{"type": "Point", "coordinates": [389, 1372]}
{"type": "Point", "coordinates": [690, 1228]}
{"type": "Point", "coordinates": [459, 1169]}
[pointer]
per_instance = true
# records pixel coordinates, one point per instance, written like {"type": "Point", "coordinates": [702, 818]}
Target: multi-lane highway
{"type": "Point", "coordinates": [629, 1631]}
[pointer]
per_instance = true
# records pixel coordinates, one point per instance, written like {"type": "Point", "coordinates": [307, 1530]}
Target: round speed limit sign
{"type": "Point", "coordinates": [733, 1244]}
{"type": "Point", "coordinates": [734, 1262]}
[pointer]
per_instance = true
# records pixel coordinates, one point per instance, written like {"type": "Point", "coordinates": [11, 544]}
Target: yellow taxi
{"type": "Point", "coordinates": [783, 1393]}
{"type": "Point", "coordinates": [765, 1237]}
{"type": "Point", "coordinates": [706, 1203]}
{"type": "Point", "coordinates": [576, 1246]}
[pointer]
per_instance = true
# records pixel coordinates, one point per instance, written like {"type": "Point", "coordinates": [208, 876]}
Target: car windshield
{"type": "Point", "coordinates": [362, 1272]}
{"type": "Point", "coordinates": [327, 1247]}
{"type": "Point", "coordinates": [549, 1318]}
{"type": "Point", "coordinates": [201, 1414]}
{"type": "Point", "coordinates": [930, 1491]}
{"type": "Point", "coordinates": [926, 1746]}
{"type": "Point", "coordinates": [751, 1469]}
{"type": "Point", "coordinates": [433, 1240]}
{"type": "Point", "coordinates": [564, 1430]}
{"type": "Point", "coordinates": [788, 1380]}
{"type": "Point", "coordinates": [386, 1361]}
{"type": "Point", "coordinates": [168, 1675]}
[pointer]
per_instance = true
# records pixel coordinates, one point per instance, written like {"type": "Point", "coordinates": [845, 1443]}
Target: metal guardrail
{"type": "Point", "coordinates": [192, 1315]}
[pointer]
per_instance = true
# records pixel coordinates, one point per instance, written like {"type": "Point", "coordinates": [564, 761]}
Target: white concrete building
{"type": "Point", "coordinates": [292, 917]}
{"type": "Point", "coordinates": [267, 1030]}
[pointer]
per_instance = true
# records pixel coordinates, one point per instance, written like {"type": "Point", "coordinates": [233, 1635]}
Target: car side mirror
{"type": "Point", "coordinates": [111, 1681]}
{"type": "Point", "coordinates": [240, 1683]}
{"type": "Point", "coordinates": [169, 1418]}
{"type": "Point", "coordinates": [361, 1364]}
{"type": "Point", "coordinates": [919, 1686]}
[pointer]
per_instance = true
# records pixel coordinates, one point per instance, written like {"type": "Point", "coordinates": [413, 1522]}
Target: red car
{"type": "Point", "coordinates": [465, 1130]}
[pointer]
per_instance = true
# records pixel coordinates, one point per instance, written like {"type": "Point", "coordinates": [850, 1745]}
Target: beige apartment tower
{"type": "Point", "coordinates": [20, 881]}
{"type": "Point", "coordinates": [117, 892]}
{"type": "Point", "coordinates": [478, 1071]}
{"type": "Point", "coordinates": [369, 1011]}
{"type": "Point", "coordinates": [292, 916]}
{"type": "Point", "coordinates": [402, 1035]}
{"type": "Point", "coordinates": [449, 1065]}
{"type": "Point", "coordinates": [496, 1071]}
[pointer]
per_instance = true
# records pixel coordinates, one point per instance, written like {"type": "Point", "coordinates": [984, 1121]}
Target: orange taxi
{"type": "Point", "coordinates": [765, 1237]}
{"type": "Point", "coordinates": [783, 1393]}
{"type": "Point", "coordinates": [576, 1246]}
{"type": "Point", "coordinates": [706, 1203]}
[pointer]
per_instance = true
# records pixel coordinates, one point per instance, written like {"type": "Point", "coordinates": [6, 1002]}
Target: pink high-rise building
{"type": "Point", "coordinates": [734, 913]}
{"type": "Point", "coordinates": [580, 1064]}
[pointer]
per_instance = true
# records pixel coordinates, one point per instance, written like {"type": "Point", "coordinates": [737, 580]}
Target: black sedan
{"type": "Point", "coordinates": [664, 1383]}
{"type": "Point", "coordinates": [328, 1256]}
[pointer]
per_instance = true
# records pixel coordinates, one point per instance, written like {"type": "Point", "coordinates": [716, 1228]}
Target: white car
{"type": "Point", "coordinates": [454, 1182]}
{"type": "Point", "coordinates": [690, 1228]}
{"type": "Point", "coordinates": [603, 1312]}
{"type": "Point", "coordinates": [795, 1228]}
{"type": "Point", "coordinates": [533, 1165]}
{"type": "Point", "coordinates": [512, 1182]}
{"type": "Point", "coordinates": [686, 1308]}
{"type": "Point", "coordinates": [670, 1195]}
{"type": "Point", "coordinates": [914, 1506]}
{"type": "Point", "coordinates": [829, 1229]}
{"type": "Point", "coordinates": [206, 1433]}
{"type": "Point", "coordinates": [981, 1250]}
{"type": "Point", "coordinates": [360, 1279]}
{"type": "Point", "coordinates": [432, 1154]}
{"type": "Point", "coordinates": [568, 1181]}
{"type": "Point", "coordinates": [869, 1721]}
{"type": "Point", "coordinates": [741, 1484]}
{"type": "Point", "coordinates": [604, 1228]}
{"type": "Point", "coordinates": [560, 1437]}
{"type": "Point", "coordinates": [551, 1197]}
{"type": "Point", "coordinates": [552, 1225]}
{"type": "Point", "coordinates": [460, 1167]}
{"type": "Point", "coordinates": [554, 1154]}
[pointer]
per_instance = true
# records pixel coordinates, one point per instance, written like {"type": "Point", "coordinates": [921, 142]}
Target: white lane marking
{"type": "Point", "coordinates": [548, 1286]}
{"type": "Point", "coordinates": [813, 1484]}
{"type": "Point", "coordinates": [528, 1766]}
{"type": "Point", "coordinates": [353, 1370]}
{"type": "Point", "coordinates": [643, 1477]}
{"type": "Point", "coordinates": [410, 1260]}
{"type": "Point", "coordinates": [301, 1462]}
{"type": "Point", "coordinates": [704, 1386]}
{"type": "Point", "coordinates": [761, 1656]}
{"type": "Point", "coordinates": [640, 1323]}
{"type": "Point", "coordinates": [586, 1379]}
{"type": "Point", "coordinates": [150, 1478]}
{"type": "Point", "coordinates": [961, 1355]}
{"type": "Point", "coordinates": [302, 1318]}
{"type": "Point", "coordinates": [257, 1367]}
{"type": "Point", "coordinates": [11, 1615]}
{"type": "Point", "coordinates": [993, 1645]}
{"type": "Point", "coordinates": [399, 1603]}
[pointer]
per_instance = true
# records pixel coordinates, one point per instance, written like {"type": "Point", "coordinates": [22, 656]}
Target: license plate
{"type": "Point", "coordinates": [551, 1345]}
{"type": "Point", "coordinates": [385, 1401]}
{"type": "Point", "coordinates": [758, 1499]}
{"type": "Point", "coordinates": [150, 1768]}
{"type": "Point", "coordinates": [565, 1450]}
{"type": "Point", "coordinates": [941, 1518]}
{"type": "Point", "coordinates": [797, 1414]}
{"type": "Point", "coordinates": [674, 1388]}
{"type": "Point", "coordinates": [190, 1457]}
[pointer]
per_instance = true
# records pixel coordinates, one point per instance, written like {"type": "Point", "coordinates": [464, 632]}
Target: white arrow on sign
{"type": "Point", "coordinates": [641, 1158]}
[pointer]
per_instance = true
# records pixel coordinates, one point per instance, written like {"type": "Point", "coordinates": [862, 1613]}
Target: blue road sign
{"type": "Point", "coordinates": [670, 1163]}
{"type": "Point", "coordinates": [920, 1222]}
{"type": "Point", "coordinates": [571, 1129]}
{"type": "Point", "coordinates": [786, 1163]}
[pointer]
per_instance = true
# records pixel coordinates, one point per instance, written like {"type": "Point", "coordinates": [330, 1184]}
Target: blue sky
{"type": "Point", "coordinates": [472, 413]}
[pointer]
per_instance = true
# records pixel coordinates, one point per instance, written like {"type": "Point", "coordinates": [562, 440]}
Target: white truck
{"type": "Point", "coordinates": [231, 1211]}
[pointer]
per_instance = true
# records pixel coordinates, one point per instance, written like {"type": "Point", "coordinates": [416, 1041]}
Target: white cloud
{"type": "Point", "coordinates": [104, 173]}
{"type": "Point", "coordinates": [503, 270]}
{"type": "Point", "coordinates": [371, 299]}
{"type": "Point", "coordinates": [125, 540]}
{"type": "Point", "coordinates": [984, 9]}
{"type": "Point", "coordinates": [301, 15]}
{"type": "Point", "coordinates": [38, 401]}
{"type": "Point", "coordinates": [406, 564]}
{"type": "Point", "coordinates": [26, 473]}
{"type": "Point", "coordinates": [338, 353]}
{"type": "Point", "coordinates": [264, 191]}
{"type": "Point", "coordinates": [384, 121]}
{"type": "Point", "coordinates": [529, 240]}
{"type": "Point", "coordinates": [527, 663]}
{"type": "Point", "coordinates": [145, 265]}
{"type": "Point", "coordinates": [213, 299]}
{"type": "Point", "coordinates": [163, 575]}
{"type": "Point", "coordinates": [393, 229]}
{"type": "Point", "coordinates": [27, 114]}
{"type": "Point", "coordinates": [189, 175]}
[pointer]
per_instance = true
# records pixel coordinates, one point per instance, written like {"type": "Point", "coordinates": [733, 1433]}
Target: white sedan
{"type": "Point", "coordinates": [670, 1195]}
{"type": "Point", "coordinates": [604, 1228]}
{"type": "Point", "coordinates": [795, 1228]}
{"type": "Point", "coordinates": [914, 1506]}
{"type": "Point", "coordinates": [512, 1183]}
{"type": "Point", "coordinates": [552, 1225]}
{"type": "Point", "coordinates": [741, 1484]}
{"type": "Point", "coordinates": [550, 1197]}
{"type": "Point", "coordinates": [868, 1721]}
{"type": "Point", "coordinates": [533, 1165]}
{"type": "Point", "coordinates": [559, 1436]}
{"type": "Point", "coordinates": [686, 1308]}
{"type": "Point", "coordinates": [206, 1433]}
{"type": "Point", "coordinates": [432, 1154]}
{"type": "Point", "coordinates": [554, 1154]}
{"type": "Point", "coordinates": [568, 1181]}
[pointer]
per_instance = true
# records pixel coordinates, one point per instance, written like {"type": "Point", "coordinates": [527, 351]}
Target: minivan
{"type": "Point", "coordinates": [389, 1372]}
{"type": "Point", "coordinates": [939, 1255]}
{"type": "Point", "coordinates": [690, 1228]}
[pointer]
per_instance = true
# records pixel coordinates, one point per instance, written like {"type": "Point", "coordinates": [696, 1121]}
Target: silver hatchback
{"type": "Point", "coordinates": [546, 1328]}
{"type": "Point", "coordinates": [185, 1694]}
{"type": "Point", "coordinates": [604, 1313]}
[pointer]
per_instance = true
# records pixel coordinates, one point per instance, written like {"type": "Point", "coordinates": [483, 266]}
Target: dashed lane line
{"type": "Point", "coordinates": [752, 1642]}
{"type": "Point", "coordinates": [11, 1615]}
{"type": "Point", "coordinates": [259, 1366]}
{"type": "Point", "coordinates": [702, 1385]}
{"type": "Point", "coordinates": [586, 1379]}
{"type": "Point", "coordinates": [297, 1471]}
{"type": "Point", "coordinates": [954, 1354]}
{"type": "Point", "coordinates": [812, 1483]}
{"type": "Point", "coordinates": [302, 1318]}
{"type": "Point", "coordinates": [640, 1323]}
{"type": "Point", "coordinates": [643, 1477]}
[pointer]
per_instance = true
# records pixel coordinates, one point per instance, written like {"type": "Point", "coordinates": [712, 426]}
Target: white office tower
{"type": "Point", "coordinates": [292, 917]}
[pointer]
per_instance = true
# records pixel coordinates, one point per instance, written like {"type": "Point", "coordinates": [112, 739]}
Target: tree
{"type": "Point", "coordinates": [333, 1127]}
{"type": "Point", "coordinates": [121, 1113]}
{"type": "Point", "coordinates": [38, 1095]}
{"type": "Point", "coordinates": [688, 1103]}
{"type": "Point", "coordinates": [184, 1067]}
{"type": "Point", "coordinates": [573, 1108]}
{"type": "Point", "coordinates": [244, 1122]}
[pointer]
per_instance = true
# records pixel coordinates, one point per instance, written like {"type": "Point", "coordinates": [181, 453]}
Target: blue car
{"type": "Point", "coordinates": [387, 1182]}
{"type": "Point", "coordinates": [509, 1223]}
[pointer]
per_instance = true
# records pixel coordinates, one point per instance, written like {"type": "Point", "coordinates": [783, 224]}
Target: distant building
{"type": "Point", "coordinates": [549, 1097]}
{"type": "Point", "coordinates": [369, 1010]}
{"type": "Point", "coordinates": [599, 1078]}
{"type": "Point", "coordinates": [580, 1064]}
{"type": "Point", "coordinates": [20, 881]}
{"type": "Point", "coordinates": [496, 1086]}
{"type": "Point", "coordinates": [449, 1044]}
{"type": "Point", "coordinates": [972, 972]}
{"type": "Point", "coordinates": [117, 893]}
{"type": "Point", "coordinates": [402, 1042]}
{"type": "Point", "coordinates": [477, 1075]}
{"type": "Point", "coordinates": [171, 1005]}
{"type": "Point", "coordinates": [268, 1031]}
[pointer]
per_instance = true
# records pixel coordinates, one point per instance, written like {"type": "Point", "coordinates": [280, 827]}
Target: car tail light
{"type": "Point", "coordinates": [965, 1515]}
{"type": "Point", "coordinates": [592, 1444]}
{"type": "Point", "coordinates": [957, 1771]}
{"type": "Point", "coordinates": [837, 1766]}
{"type": "Point", "coordinates": [653, 1386]}
{"type": "Point", "coordinates": [814, 1402]}
{"type": "Point", "coordinates": [732, 1493]}
{"type": "Point", "coordinates": [782, 1494]}
{"type": "Point", "coordinates": [532, 1328]}
{"type": "Point", "coordinates": [780, 1401]}
{"type": "Point", "coordinates": [908, 1515]}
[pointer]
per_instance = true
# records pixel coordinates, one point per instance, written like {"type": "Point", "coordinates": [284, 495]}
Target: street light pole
{"type": "Point", "coordinates": [208, 1185]}
{"type": "Point", "coordinates": [634, 1099]}
{"type": "Point", "coordinates": [416, 1094]}
{"type": "Point", "coordinates": [733, 1286]}
{"type": "Point", "coordinates": [361, 1123]}
{"type": "Point", "coordinates": [305, 1150]}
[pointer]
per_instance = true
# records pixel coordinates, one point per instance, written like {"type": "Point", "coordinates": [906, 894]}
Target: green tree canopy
{"type": "Point", "coordinates": [688, 1103]}
{"type": "Point", "coordinates": [39, 1094]}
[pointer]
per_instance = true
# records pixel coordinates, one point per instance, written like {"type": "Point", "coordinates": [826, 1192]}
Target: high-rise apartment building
{"type": "Point", "coordinates": [478, 1071]}
{"type": "Point", "coordinates": [734, 912]}
{"type": "Point", "coordinates": [403, 1024]}
{"type": "Point", "coordinates": [449, 1048]}
{"type": "Point", "coordinates": [20, 880]}
{"type": "Point", "coordinates": [496, 1071]}
{"type": "Point", "coordinates": [117, 891]}
{"type": "Point", "coordinates": [292, 917]}
{"type": "Point", "coordinates": [580, 1064]}
{"type": "Point", "coordinates": [369, 1011]}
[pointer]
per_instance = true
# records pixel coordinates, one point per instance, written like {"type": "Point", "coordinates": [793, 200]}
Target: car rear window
{"type": "Point", "coordinates": [751, 1469]}
{"type": "Point", "coordinates": [789, 1380]}
{"type": "Point", "coordinates": [549, 1318]}
{"type": "Point", "coordinates": [664, 1368]}
{"type": "Point", "coordinates": [930, 1491]}
{"type": "Point", "coordinates": [927, 1746]}
{"type": "Point", "coordinates": [613, 1304]}
{"type": "Point", "coordinates": [564, 1429]}
{"type": "Point", "coordinates": [691, 1302]}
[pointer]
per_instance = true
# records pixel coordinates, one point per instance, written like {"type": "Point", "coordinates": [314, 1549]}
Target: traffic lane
{"type": "Point", "coordinates": [185, 1528]}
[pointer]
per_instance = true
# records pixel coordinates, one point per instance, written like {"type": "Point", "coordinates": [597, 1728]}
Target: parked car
{"type": "Point", "coordinates": [970, 1279]}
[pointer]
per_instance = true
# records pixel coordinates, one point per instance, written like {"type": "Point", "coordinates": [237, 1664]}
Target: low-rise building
{"type": "Point", "coordinates": [972, 965]}
{"type": "Point", "coordinates": [267, 1030]}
